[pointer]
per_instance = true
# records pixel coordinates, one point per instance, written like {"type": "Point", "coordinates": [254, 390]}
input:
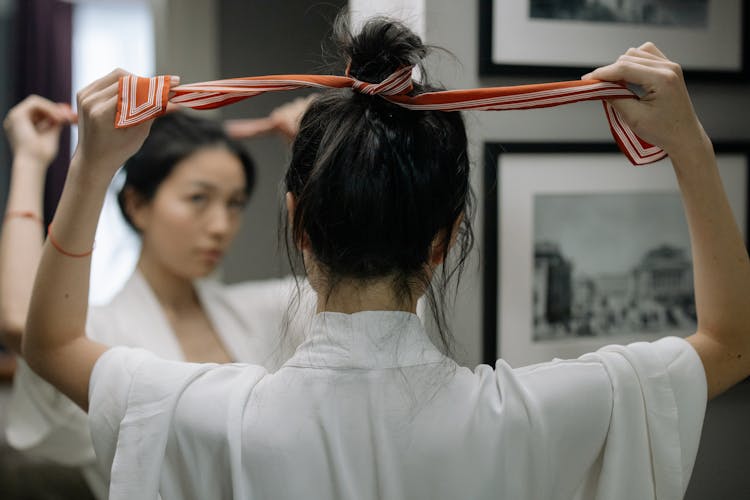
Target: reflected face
{"type": "Point", "coordinates": [195, 213]}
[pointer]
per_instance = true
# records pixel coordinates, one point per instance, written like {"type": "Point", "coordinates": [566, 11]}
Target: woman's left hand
{"type": "Point", "coordinates": [664, 115]}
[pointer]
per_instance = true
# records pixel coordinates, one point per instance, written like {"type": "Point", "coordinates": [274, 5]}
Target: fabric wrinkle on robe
{"type": "Point", "coordinates": [369, 408]}
{"type": "Point", "coordinates": [44, 423]}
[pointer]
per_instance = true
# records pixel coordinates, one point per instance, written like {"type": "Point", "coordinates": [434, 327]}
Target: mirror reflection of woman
{"type": "Point", "coordinates": [184, 194]}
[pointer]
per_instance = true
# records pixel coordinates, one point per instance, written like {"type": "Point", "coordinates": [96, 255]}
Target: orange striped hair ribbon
{"type": "Point", "coordinates": [142, 99]}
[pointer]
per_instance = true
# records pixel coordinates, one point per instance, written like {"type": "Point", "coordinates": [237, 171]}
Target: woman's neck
{"type": "Point", "coordinates": [350, 297]}
{"type": "Point", "coordinates": [174, 293]}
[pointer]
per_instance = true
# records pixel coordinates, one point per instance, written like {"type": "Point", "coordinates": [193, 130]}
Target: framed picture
{"type": "Point", "coordinates": [581, 249]}
{"type": "Point", "coordinates": [567, 38]}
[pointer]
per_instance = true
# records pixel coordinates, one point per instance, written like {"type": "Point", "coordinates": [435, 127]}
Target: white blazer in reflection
{"type": "Point", "coordinates": [247, 318]}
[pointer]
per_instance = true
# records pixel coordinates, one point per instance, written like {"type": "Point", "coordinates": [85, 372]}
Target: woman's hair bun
{"type": "Point", "coordinates": [379, 188]}
{"type": "Point", "coordinates": [380, 47]}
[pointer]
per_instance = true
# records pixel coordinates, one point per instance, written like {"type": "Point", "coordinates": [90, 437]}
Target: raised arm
{"type": "Point", "coordinates": [665, 117]}
{"type": "Point", "coordinates": [33, 129]}
{"type": "Point", "coordinates": [54, 344]}
{"type": "Point", "coordinates": [285, 120]}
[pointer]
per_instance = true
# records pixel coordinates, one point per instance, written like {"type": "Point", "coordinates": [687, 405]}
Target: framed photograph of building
{"type": "Point", "coordinates": [568, 38]}
{"type": "Point", "coordinates": [581, 249]}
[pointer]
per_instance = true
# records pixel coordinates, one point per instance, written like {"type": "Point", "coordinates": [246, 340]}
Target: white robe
{"type": "Point", "coordinates": [246, 317]}
{"type": "Point", "coordinates": [368, 408]}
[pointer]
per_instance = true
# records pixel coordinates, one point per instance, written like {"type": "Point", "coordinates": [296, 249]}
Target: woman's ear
{"type": "Point", "coordinates": [438, 250]}
{"type": "Point", "coordinates": [291, 207]}
{"type": "Point", "coordinates": [137, 207]}
{"type": "Point", "coordinates": [456, 228]}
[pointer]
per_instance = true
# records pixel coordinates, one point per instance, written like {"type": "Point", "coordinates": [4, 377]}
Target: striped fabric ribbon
{"type": "Point", "coordinates": [142, 99]}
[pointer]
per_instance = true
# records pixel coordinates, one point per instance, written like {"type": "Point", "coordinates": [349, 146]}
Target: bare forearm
{"type": "Point", "coordinates": [57, 313]}
{"type": "Point", "coordinates": [20, 246]}
{"type": "Point", "coordinates": [55, 343]}
{"type": "Point", "coordinates": [663, 115]}
{"type": "Point", "coordinates": [720, 263]}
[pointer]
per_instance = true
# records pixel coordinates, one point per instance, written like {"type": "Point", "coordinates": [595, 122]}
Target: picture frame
{"type": "Point", "coordinates": [586, 190]}
{"type": "Point", "coordinates": [709, 38]}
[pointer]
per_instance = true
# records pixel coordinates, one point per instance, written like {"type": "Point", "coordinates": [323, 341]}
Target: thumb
{"type": "Point", "coordinates": [46, 124]}
{"type": "Point", "coordinates": [628, 110]}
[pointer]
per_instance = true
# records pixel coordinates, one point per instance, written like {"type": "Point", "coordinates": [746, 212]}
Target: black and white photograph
{"type": "Point", "coordinates": [611, 264]}
{"type": "Point", "coordinates": [584, 250]}
{"type": "Point", "coordinates": [679, 13]}
{"type": "Point", "coordinates": [568, 38]}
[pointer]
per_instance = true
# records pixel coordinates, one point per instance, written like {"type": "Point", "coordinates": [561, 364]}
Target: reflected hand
{"type": "Point", "coordinates": [286, 118]}
{"type": "Point", "coordinates": [33, 128]}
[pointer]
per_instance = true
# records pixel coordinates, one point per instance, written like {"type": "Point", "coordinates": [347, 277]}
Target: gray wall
{"type": "Point", "coordinates": [185, 33]}
{"type": "Point", "coordinates": [721, 468]}
{"type": "Point", "coordinates": [259, 38]}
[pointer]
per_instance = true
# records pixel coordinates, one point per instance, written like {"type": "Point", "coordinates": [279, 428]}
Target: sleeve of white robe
{"type": "Point", "coordinates": [660, 395]}
{"type": "Point", "coordinates": [43, 422]}
{"type": "Point", "coordinates": [130, 413]}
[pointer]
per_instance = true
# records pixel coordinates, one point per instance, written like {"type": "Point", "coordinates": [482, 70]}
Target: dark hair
{"type": "Point", "coordinates": [376, 183]}
{"type": "Point", "coordinates": [174, 137]}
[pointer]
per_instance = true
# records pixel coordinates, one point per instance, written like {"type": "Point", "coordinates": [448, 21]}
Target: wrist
{"type": "Point", "coordinates": [28, 161]}
{"type": "Point", "coordinates": [695, 148]}
{"type": "Point", "coordinates": [88, 183]}
{"type": "Point", "coordinates": [91, 170]}
{"type": "Point", "coordinates": [686, 136]}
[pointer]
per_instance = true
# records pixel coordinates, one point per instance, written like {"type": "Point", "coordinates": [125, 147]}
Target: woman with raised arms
{"type": "Point", "coordinates": [367, 407]}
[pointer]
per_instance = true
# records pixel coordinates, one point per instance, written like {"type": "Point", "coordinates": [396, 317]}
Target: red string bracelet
{"type": "Point", "coordinates": [24, 214]}
{"type": "Point", "coordinates": [61, 250]}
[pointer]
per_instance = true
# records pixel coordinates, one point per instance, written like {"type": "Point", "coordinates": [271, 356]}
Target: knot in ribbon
{"type": "Point", "coordinates": [397, 83]}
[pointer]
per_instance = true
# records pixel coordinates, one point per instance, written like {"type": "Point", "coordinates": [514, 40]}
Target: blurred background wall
{"type": "Point", "coordinates": [262, 38]}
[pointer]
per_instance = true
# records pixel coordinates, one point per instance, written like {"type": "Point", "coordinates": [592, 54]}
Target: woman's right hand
{"type": "Point", "coordinates": [33, 128]}
{"type": "Point", "coordinates": [100, 144]}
